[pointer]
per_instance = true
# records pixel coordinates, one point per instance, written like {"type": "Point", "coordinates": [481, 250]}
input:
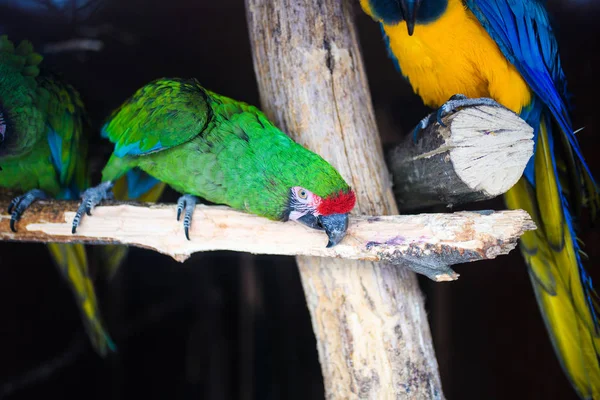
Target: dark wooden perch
{"type": "Point", "coordinates": [451, 238]}
{"type": "Point", "coordinates": [480, 154]}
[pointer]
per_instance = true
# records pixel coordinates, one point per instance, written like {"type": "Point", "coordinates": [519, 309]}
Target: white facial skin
{"type": "Point", "coordinates": [304, 202]}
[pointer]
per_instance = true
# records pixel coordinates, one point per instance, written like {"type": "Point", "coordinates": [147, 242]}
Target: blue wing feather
{"type": "Point", "coordinates": [522, 30]}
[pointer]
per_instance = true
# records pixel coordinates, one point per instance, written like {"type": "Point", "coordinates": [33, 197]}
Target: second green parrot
{"type": "Point", "coordinates": [225, 151]}
{"type": "Point", "coordinates": [43, 152]}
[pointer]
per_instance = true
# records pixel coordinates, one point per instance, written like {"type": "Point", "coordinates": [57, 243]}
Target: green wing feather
{"type": "Point", "coordinates": [162, 114]}
{"type": "Point", "coordinates": [66, 124]}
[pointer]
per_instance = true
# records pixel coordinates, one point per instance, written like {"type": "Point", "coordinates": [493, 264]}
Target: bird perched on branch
{"type": "Point", "coordinates": [43, 152]}
{"type": "Point", "coordinates": [225, 151]}
{"type": "Point", "coordinates": [456, 53]}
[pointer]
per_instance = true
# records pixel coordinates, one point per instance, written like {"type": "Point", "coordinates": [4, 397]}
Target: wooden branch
{"type": "Point", "coordinates": [452, 238]}
{"type": "Point", "coordinates": [481, 154]}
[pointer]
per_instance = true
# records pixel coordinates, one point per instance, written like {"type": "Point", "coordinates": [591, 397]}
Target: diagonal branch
{"type": "Point", "coordinates": [434, 241]}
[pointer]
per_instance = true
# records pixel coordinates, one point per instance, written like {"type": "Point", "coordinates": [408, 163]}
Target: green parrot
{"type": "Point", "coordinates": [43, 152]}
{"type": "Point", "coordinates": [225, 151]}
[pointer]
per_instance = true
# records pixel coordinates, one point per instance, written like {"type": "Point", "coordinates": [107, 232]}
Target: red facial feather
{"type": "Point", "coordinates": [337, 203]}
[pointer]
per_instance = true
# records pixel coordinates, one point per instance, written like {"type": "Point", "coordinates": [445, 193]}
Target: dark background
{"type": "Point", "coordinates": [226, 325]}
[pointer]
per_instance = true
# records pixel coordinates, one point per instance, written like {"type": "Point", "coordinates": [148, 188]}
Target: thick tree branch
{"type": "Point", "coordinates": [433, 240]}
{"type": "Point", "coordinates": [480, 154]}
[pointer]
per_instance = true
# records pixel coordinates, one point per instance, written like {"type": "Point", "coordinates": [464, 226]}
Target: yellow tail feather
{"type": "Point", "coordinates": [553, 268]}
{"type": "Point", "coordinates": [71, 260]}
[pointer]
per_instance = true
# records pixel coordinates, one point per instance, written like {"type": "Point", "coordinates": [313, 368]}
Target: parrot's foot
{"type": "Point", "coordinates": [90, 199]}
{"type": "Point", "coordinates": [19, 204]}
{"type": "Point", "coordinates": [188, 202]}
{"type": "Point", "coordinates": [452, 105]}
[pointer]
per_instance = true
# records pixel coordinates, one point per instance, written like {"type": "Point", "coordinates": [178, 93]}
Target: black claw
{"type": "Point", "coordinates": [178, 213]}
{"type": "Point", "coordinates": [12, 223]}
{"type": "Point", "coordinates": [187, 232]}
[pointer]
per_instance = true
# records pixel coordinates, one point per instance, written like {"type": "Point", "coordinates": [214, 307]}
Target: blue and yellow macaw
{"type": "Point", "coordinates": [505, 50]}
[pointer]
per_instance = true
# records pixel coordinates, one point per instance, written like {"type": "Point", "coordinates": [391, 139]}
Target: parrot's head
{"type": "Point", "coordinates": [392, 12]}
{"type": "Point", "coordinates": [328, 213]}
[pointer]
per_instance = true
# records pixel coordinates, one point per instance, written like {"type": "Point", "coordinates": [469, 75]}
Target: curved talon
{"type": "Point", "coordinates": [90, 199]}
{"type": "Point", "coordinates": [424, 123]}
{"type": "Point", "coordinates": [19, 204]}
{"type": "Point", "coordinates": [441, 113]}
{"type": "Point", "coordinates": [13, 220]}
{"type": "Point", "coordinates": [188, 202]}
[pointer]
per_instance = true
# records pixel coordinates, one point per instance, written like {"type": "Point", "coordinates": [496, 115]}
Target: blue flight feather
{"type": "Point", "coordinates": [133, 149]}
{"type": "Point", "coordinates": [103, 131]}
{"type": "Point", "coordinates": [55, 142]}
{"type": "Point", "coordinates": [139, 182]}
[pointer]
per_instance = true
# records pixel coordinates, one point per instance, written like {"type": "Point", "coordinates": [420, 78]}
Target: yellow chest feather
{"type": "Point", "coordinates": [455, 54]}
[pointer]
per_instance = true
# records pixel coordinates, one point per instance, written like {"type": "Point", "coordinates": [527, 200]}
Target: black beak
{"type": "Point", "coordinates": [335, 225]}
{"type": "Point", "coordinates": [410, 9]}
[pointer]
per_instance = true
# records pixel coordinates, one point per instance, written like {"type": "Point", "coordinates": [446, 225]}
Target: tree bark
{"type": "Point", "coordinates": [480, 154]}
{"type": "Point", "coordinates": [370, 322]}
{"type": "Point", "coordinates": [437, 240]}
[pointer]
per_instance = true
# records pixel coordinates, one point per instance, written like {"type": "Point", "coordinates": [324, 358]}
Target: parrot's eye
{"type": "Point", "coordinates": [302, 194]}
